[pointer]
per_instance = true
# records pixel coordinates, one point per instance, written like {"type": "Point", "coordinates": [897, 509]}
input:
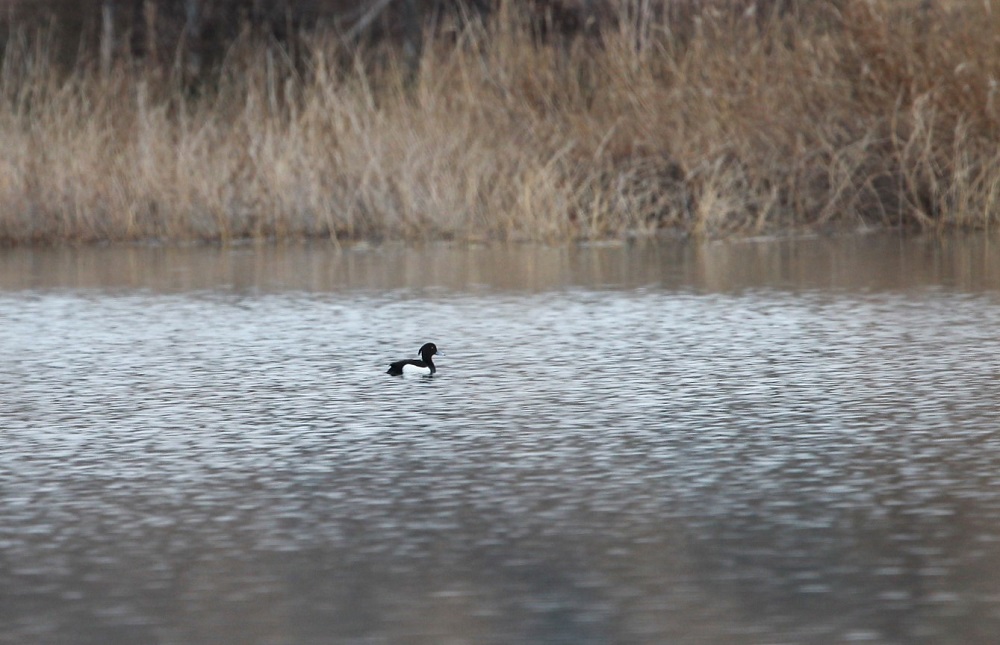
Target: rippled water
{"type": "Point", "coordinates": [742, 443]}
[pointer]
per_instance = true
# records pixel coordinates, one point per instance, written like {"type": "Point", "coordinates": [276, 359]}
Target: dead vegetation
{"type": "Point", "coordinates": [857, 112]}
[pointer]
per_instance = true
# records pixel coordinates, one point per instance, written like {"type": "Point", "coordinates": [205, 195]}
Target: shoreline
{"type": "Point", "coordinates": [668, 236]}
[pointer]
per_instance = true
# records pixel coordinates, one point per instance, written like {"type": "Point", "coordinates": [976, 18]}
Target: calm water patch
{"type": "Point", "coordinates": [754, 442]}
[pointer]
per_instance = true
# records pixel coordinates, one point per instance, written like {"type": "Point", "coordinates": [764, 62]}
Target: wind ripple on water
{"type": "Point", "coordinates": [588, 466]}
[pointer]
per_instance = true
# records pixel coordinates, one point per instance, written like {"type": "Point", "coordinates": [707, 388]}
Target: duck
{"type": "Point", "coordinates": [409, 366]}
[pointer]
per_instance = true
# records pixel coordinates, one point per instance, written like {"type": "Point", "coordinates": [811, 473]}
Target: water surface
{"type": "Point", "coordinates": [754, 442]}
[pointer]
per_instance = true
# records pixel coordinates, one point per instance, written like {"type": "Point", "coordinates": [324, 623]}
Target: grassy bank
{"type": "Point", "coordinates": [855, 112]}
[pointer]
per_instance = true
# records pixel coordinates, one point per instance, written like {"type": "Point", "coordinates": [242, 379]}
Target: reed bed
{"type": "Point", "coordinates": [851, 113]}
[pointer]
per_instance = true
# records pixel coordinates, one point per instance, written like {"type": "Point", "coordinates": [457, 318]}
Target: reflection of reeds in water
{"type": "Point", "coordinates": [854, 112]}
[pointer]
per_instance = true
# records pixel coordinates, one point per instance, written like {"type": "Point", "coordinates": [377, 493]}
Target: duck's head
{"type": "Point", "coordinates": [428, 350]}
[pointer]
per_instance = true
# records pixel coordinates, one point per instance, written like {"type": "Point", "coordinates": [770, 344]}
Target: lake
{"type": "Point", "coordinates": [759, 441]}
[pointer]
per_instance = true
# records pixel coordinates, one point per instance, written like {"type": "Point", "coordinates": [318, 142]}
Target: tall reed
{"type": "Point", "coordinates": [856, 112]}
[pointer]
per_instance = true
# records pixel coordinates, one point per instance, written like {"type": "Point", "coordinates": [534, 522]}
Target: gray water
{"type": "Point", "coordinates": [749, 442]}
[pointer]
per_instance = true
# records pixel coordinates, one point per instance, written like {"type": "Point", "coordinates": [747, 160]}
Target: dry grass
{"type": "Point", "coordinates": [857, 112]}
